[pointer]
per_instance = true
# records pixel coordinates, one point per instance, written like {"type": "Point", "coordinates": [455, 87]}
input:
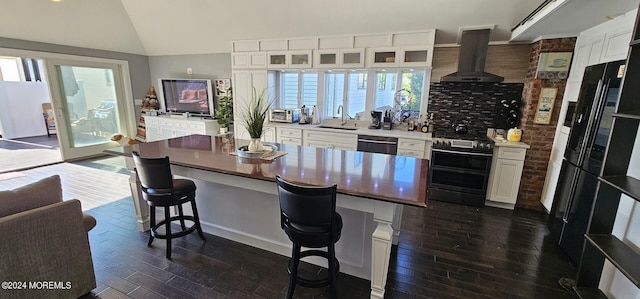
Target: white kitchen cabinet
{"type": "Point", "coordinates": [400, 57]}
{"type": "Point", "coordinates": [269, 134]}
{"type": "Point", "coordinates": [289, 136]}
{"type": "Point", "coordinates": [289, 59]}
{"type": "Point", "coordinates": [277, 60]}
{"type": "Point", "coordinates": [300, 59]}
{"type": "Point", "coordinates": [164, 127]}
{"type": "Point", "coordinates": [244, 81]}
{"type": "Point", "coordinates": [326, 58]}
{"type": "Point", "coordinates": [249, 60]}
{"type": "Point", "coordinates": [339, 58]}
{"type": "Point", "coordinates": [343, 141]}
{"type": "Point", "coordinates": [504, 180]}
{"type": "Point", "coordinates": [384, 57]}
{"type": "Point", "coordinates": [411, 147]}
{"type": "Point", "coordinates": [415, 56]}
{"type": "Point", "coordinates": [352, 58]}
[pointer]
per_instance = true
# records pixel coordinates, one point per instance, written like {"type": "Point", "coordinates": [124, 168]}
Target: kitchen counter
{"type": "Point", "coordinates": [362, 129]}
{"type": "Point", "coordinates": [375, 176]}
{"type": "Point", "coordinates": [504, 142]}
{"type": "Point", "coordinates": [237, 198]}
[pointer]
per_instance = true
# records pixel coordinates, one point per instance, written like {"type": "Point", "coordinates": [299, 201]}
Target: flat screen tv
{"type": "Point", "coordinates": [186, 95]}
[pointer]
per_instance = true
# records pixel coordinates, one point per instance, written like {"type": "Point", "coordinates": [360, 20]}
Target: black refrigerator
{"type": "Point", "coordinates": [582, 162]}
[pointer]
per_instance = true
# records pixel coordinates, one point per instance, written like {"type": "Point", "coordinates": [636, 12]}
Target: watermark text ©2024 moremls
{"type": "Point", "coordinates": [36, 285]}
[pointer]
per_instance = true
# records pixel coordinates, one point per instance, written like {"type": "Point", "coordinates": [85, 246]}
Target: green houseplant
{"type": "Point", "coordinates": [224, 114]}
{"type": "Point", "coordinates": [254, 117]}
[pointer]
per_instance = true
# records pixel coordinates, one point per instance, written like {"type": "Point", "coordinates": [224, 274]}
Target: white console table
{"type": "Point", "coordinates": [165, 127]}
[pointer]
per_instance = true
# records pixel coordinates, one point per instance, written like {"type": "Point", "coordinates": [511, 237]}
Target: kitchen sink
{"type": "Point", "coordinates": [338, 127]}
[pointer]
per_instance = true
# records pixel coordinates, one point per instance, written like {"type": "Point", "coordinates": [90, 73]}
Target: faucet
{"type": "Point", "coordinates": [341, 112]}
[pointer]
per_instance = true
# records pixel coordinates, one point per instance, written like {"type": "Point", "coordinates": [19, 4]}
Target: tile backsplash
{"type": "Point", "coordinates": [478, 104]}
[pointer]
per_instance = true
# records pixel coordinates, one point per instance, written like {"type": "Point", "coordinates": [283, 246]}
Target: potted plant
{"type": "Point", "coordinates": [254, 117]}
{"type": "Point", "coordinates": [224, 114]}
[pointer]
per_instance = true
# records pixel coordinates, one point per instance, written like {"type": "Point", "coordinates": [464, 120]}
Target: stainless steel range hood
{"type": "Point", "coordinates": [473, 54]}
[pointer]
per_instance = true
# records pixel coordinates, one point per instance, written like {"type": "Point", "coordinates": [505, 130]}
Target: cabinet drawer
{"type": "Point", "coordinates": [511, 153]}
{"type": "Point", "coordinates": [181, 125]}
{"type": "Point", "coordinates": [410, 153]}
{"type": "Point", "coordinates": [332, 138]}
{"type": "Point", "coordinates": [150, 121]}
{"type": "Point", "coordinates": [287, 140]}
{"type": "Point", "coordinates": [196, 127]}
{"type": "Point", "coordinates": [411, 144]}
{"type": "Point", "coordinates": [287, 132]}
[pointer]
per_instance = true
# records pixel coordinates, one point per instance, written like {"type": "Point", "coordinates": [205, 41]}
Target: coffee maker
{"type": "Point", "coordinates": [304, 115]}
{"type": "Point", "coordinates": [376, 119]}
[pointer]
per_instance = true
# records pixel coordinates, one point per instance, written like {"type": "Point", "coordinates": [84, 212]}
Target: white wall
{"type": "Point", "coordinates": [21, 108]}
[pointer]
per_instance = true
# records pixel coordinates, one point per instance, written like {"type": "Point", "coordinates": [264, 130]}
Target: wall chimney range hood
{"type": "Point", "coordinates": [473, 54]}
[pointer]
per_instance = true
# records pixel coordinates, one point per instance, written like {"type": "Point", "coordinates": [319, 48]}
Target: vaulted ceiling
{"type": "Point", "coordinates": [174, 27]}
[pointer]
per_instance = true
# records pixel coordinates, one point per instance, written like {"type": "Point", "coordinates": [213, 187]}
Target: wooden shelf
{"type": "Point", "coordinates": [626, 184]}
{"type": "Point", "coordinates": [589, 293]}
{"type": "Point", "coordinates": [628, 114]}
{"type": "Point", "coordinates": [619, 254]}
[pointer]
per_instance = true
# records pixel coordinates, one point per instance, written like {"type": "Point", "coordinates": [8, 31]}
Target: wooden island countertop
{"type": "Point", "coordinates": [390, 178]}
{"type": "Point", "coordinates": [238, 200]}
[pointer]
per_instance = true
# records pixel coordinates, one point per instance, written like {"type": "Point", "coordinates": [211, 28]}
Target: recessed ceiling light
{"type": "Point", "coordinates": [56, 0]}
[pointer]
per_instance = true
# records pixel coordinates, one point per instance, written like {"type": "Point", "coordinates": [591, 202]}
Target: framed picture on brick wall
{"type": "Point", "coordinates": [545, 105]}
{"type": "Point", "coordinates": [554, 65]}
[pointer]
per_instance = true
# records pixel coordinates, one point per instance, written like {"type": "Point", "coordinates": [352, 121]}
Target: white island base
{"type": "Point", "coordinates": [247, 210]}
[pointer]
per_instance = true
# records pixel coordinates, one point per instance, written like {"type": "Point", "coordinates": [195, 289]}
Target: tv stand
{"type": "Point", "coordinates": [170, 126]}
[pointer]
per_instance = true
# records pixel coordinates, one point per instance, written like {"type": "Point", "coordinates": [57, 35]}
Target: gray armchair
{"type": "Point", "coordinates": [44, 246]}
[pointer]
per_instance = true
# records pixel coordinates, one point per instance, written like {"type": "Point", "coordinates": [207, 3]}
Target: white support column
{"type": "Point", "coordinates": [139, 204]}
{"type": "Point", "coordinates": [381, 247]}
{"type": "Point", "coordinates": [397, 221]}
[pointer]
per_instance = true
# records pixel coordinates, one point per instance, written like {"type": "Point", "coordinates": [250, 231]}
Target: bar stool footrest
{"type": "Point", "coordinates": [188, 230]}
{"type": "Point", "coordinates": [315, 283]}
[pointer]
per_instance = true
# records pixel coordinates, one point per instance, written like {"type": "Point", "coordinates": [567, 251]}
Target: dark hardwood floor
{"type": "Point", "coordinates": [445, 251]}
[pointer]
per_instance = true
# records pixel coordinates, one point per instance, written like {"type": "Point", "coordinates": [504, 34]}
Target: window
{"type": "Point", "coordinates": [297, 89]}
{"type": "Point", "coordinates": [382, 81]}
{"type": "Point", "coordinates": [19, 69]}
{"type": "Point", "coordinates": [334, 93]}
{"type": "Point", "coordinates": [347, 90]}
{"type": "Point", "coordinates": [409, 97]}
{"type": "Point", "coordinates": [362, 81]}
{"type": "Point", "coordinates": [9, 70]}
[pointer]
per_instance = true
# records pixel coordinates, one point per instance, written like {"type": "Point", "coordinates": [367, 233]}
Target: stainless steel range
{"type": "Point", "coordinates": [459, 169]}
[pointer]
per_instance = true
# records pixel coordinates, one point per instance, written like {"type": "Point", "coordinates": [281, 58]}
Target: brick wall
{"type": "Point", "coordinates": [539, 136]}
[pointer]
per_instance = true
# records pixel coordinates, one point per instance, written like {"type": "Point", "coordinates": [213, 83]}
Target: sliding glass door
{"type": "Point", "coordinates": [88, 99]}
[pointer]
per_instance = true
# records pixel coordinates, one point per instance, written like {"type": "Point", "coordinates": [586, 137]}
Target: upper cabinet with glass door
{"type": "Point", "coordinates": [415, 56]}
{"type": "Point", "coordinates": [339, 58]}
{"type": "Point", "coordinates": [289, 59]}
{"type": "Point", "coordinates": [400, 57]}
{"type": "Point", "coordinates": [384, 57]}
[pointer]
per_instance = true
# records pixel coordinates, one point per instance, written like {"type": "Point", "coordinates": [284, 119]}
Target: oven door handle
{"type": "Point", "coordinates": [461, 153]}
{"type": "Point", "coordinates": [377, 141]}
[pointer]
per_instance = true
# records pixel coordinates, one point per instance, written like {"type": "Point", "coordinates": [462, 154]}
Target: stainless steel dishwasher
{"type": "Point", "coordinates": [378, 144]}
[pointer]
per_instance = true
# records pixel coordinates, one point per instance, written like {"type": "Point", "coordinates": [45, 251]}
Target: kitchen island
{"type": "Point", "coordinates": [237, 197]}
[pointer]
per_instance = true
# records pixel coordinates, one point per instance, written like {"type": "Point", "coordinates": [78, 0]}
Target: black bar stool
{"type": "Point", "coordinates": [308, 216]}
{"type": "Point", "coordinates": [160, 189]}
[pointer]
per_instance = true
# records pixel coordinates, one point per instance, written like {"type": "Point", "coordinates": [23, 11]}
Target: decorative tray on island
{"type": "Point", "coordinates": [268, 149]}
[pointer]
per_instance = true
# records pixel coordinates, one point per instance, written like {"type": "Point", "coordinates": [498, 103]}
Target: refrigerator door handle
{"type": "Point", "coordinates": [574, 182]}
{"type": "Point", "coordinates": [590, 119]}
